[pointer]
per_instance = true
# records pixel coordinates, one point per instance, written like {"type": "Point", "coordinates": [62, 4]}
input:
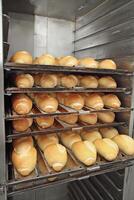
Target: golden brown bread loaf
{"type": "Point", "coordinates": [88, 82]}
{"type": "Point", "coordinates": [85, 151]}
{"type": "Point", "coordinates": [95, 101]}
{"type": "Point", "coordinates": [111, 100]}
{"type": "Point", "coordinates": [106, 117]}
{"type": "Point", "coordinates": [107, 148]}
{"type": "Point", "coordinates": [24, 81]}
{"type": "Point", "coordinates": [45, 59]}
{"type": "Point", "coordinates": [91, 135]}
{"type": "Point", "coordinates": [21, 104]}
{"type": "Point", "coordinates": [45, 122]}
{"type": "Point", "coordinates": [88, 118]}
{"type": "Point", "coordinates": [46, 80]}
{"type": "Point", "coordinates": [107, 64]}
{"type": "Point", "coordinates": [56, 156]}
{"type": "Point", "coordinates": [61, 97]}
{"type": "Point", "coordinates": [108, 132]}
{"type": "Point", "coordinates": [107, 82]}
{"type": "Point", "coordinates": [69, 61]}
{"type": "Point", "coordinates": [68, 138]}
{"type": "Point", "coordinates": [24, 155]}
{"type": "Point", "coordinates": [46, 140]}
{"type": "Point", "coordinates": [88, 62]}
{"type": "Point", "coordinates": [69, 119]}
{"type": "Point", "coordinates": [74, 101]}
{"type": "Point", "coordinates": [69, 81]}
{"type": "Point", "coordinates": [46, 102]}
{"type": "Point", "coordinates": [21, 125]}
{"type": "Point", "coordinates": [22, 57]}
{"type": "Point", "coordinates": [125, 144]}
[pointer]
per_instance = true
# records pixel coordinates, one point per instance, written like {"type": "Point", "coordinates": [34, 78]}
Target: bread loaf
{"type": "Point", "coordinates": [95, 101]}
{"type": "Point", "coordinates": [46, 140]}
{"type": "Point", "coordinates": [111, 100]}
{"type": "Point", "coordinates": [56, 156]}
{"type": "Point", "coordinates": [21, 104]}
{"type": "Point", "coordinates": [125, 144]}
{"type": "Point", "coordinates": [106, 117]}
{"type": "Point", "coordinates": [107, 82]}
{"type": "Point", "coordinates": [45, 122]}
{"type": "Point", "coordinates": [74, 101]}
{"type": "Point", "coordinates": [88, 82]}
{"type": "Point", "coordinates": [22, 125]}
{"type": "Point", "coordinates": [88, 63]}
{"type": "Point", "coordinates": [69, 81]}
{"type": "Point", "coordinates": [24, 81]}
{"type": "Point", "coordinates": [48, 81]}
{"type": "Point", "coordinates": [45, 59]}
{"type": "Point", "coordinates": [107, 64]}
{"type": "Point", "coordinates": [24, 156]}
{"type": "Point", "coordinates": [91, 135]}
{"type": "Point", "coordinates": [69, 61]}
{"type": "Point", "coordinates": [88, 118]}
{"type": "Point", "coordinates": [85, 151]}
{"type": "Point", "coordinates": [69, 119]}
{"type": "Point", "coordinates": [107, 148]}
{"type": "Point", "coordinates": [68, 138]}
{"type": "Point", "coordinates": [108, 132]}
{"type": "Point", "coordinates": [22, 57]}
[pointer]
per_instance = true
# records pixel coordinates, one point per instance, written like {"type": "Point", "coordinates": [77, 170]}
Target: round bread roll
{"type": "Point", "coordinates": [88, 118]}
{"type": "Point", "coordinates": [45, 122]}
{"type": "Point", "coordinates": [106, 117]}
{"type": "Point", "coordinates": [89, 82]}
{"type": "Point", "coordinates": [22, 57]}
{"type": "Point", "coordinates": [48, 81]}
{"type": "Point", "coordinates": [46, 102]}
{"type": "Point", "coordinates": [69, 81]}
{"type": "Point", "coordinates": [85, 151]}
{"type": "Point", "coordinates": [45, 59]}
{"type": "Point", "coordinates": [111, 100]}
{"type": "Point", "coordinates": [21, 104]}
{"type": "Point", "coordinates": [56, 156]}
{"type": "Point", "coordinates": [107, 82]}
{"type": "Point", "coordinates": [108, 132]}
{"type": "Point", "coordinates": [69, 138]}
{"type": "Point", "coordinates": [125, 144]}
{"type": "Point", "coordinates": [24, 81]}
{"type": "Point", "coordinates": [88, 63]}
{"type": "Point", "coordinates": [69, 61]}
{"type": "Point", "coordinates": [91, 135]}
{"type": "Point", "coordinates": [107, 148]}
{"type": "Point", "coordinates": [22, 125]}
{"type": "Point", "coordinates": [24, 156]}
{"type": "Point", "coordinates": [46, 140]}
{"type": "Point", "coordinates": [95, 101]}
{"type": "Point", "coordinates": [74, 101]}
{"type": "Point", "coordinates": [107, 64]}
{"type": "Point", "coordinates": [69, 119]}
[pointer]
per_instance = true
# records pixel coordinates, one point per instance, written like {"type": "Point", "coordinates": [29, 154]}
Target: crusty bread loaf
{"type": "Point", "coordinates": [106, 117]}
{"type": "Point", "coordinates": [85, 151]}
{"type": "Point", "coordinates": [21, 125]}
{"type": "Point", "coordinates": [91, 135]}
{"type": "Point", "coordinates": [24, 81]}
{"type": "Point", "coordinates": [107, 64]}
{"type": "Point", "coordinates": [48, 81]}
{"type": "Point", "coordinates": [107, 148]}
{"type": "Point", "coordinates": [107, 82]}
{"type": "Point", "coordinates": [69, 81]}
{"type": "Point", "coordinates": [125, 144]}
{"type": "Point", "coordinates": [69, 61]}
{"type": "Point", "coordinates": [108, 132]}
{"type": "Point", "coordinates": [22, 57]}
{"type": "Point", "coordinates": [45, 122]}
{"type": "Point", "coordinates": [68, 138]}
{"type": "Point", "coordinates": [21, 104]}
{"type": "Point", "coordinates": [95, 101]}
{"type": "Point", "coordinates": [74, 101]}
{"type": "Point", "coordinates": [24, 155]}
{"type": "Point", "coordinates": [46, 140]}
{"type": "Point", "coordinates": [56, 156]}
{"type": "Point", "coordinates": [45, 59]}
{"type": "Point", "coordinates": [111, 100]}
{"type": "Point", "coordinates": [88, 62]}
{"type": "Point", "coordinates": [88, 82]}
{"type": "Point", "coordinates": [88, 118]}
{"type": "Point", "coordinates": [69, 119]}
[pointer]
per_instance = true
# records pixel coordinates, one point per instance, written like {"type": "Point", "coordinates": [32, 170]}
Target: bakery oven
{"type": "Point", "coordinates": [67, 99]}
